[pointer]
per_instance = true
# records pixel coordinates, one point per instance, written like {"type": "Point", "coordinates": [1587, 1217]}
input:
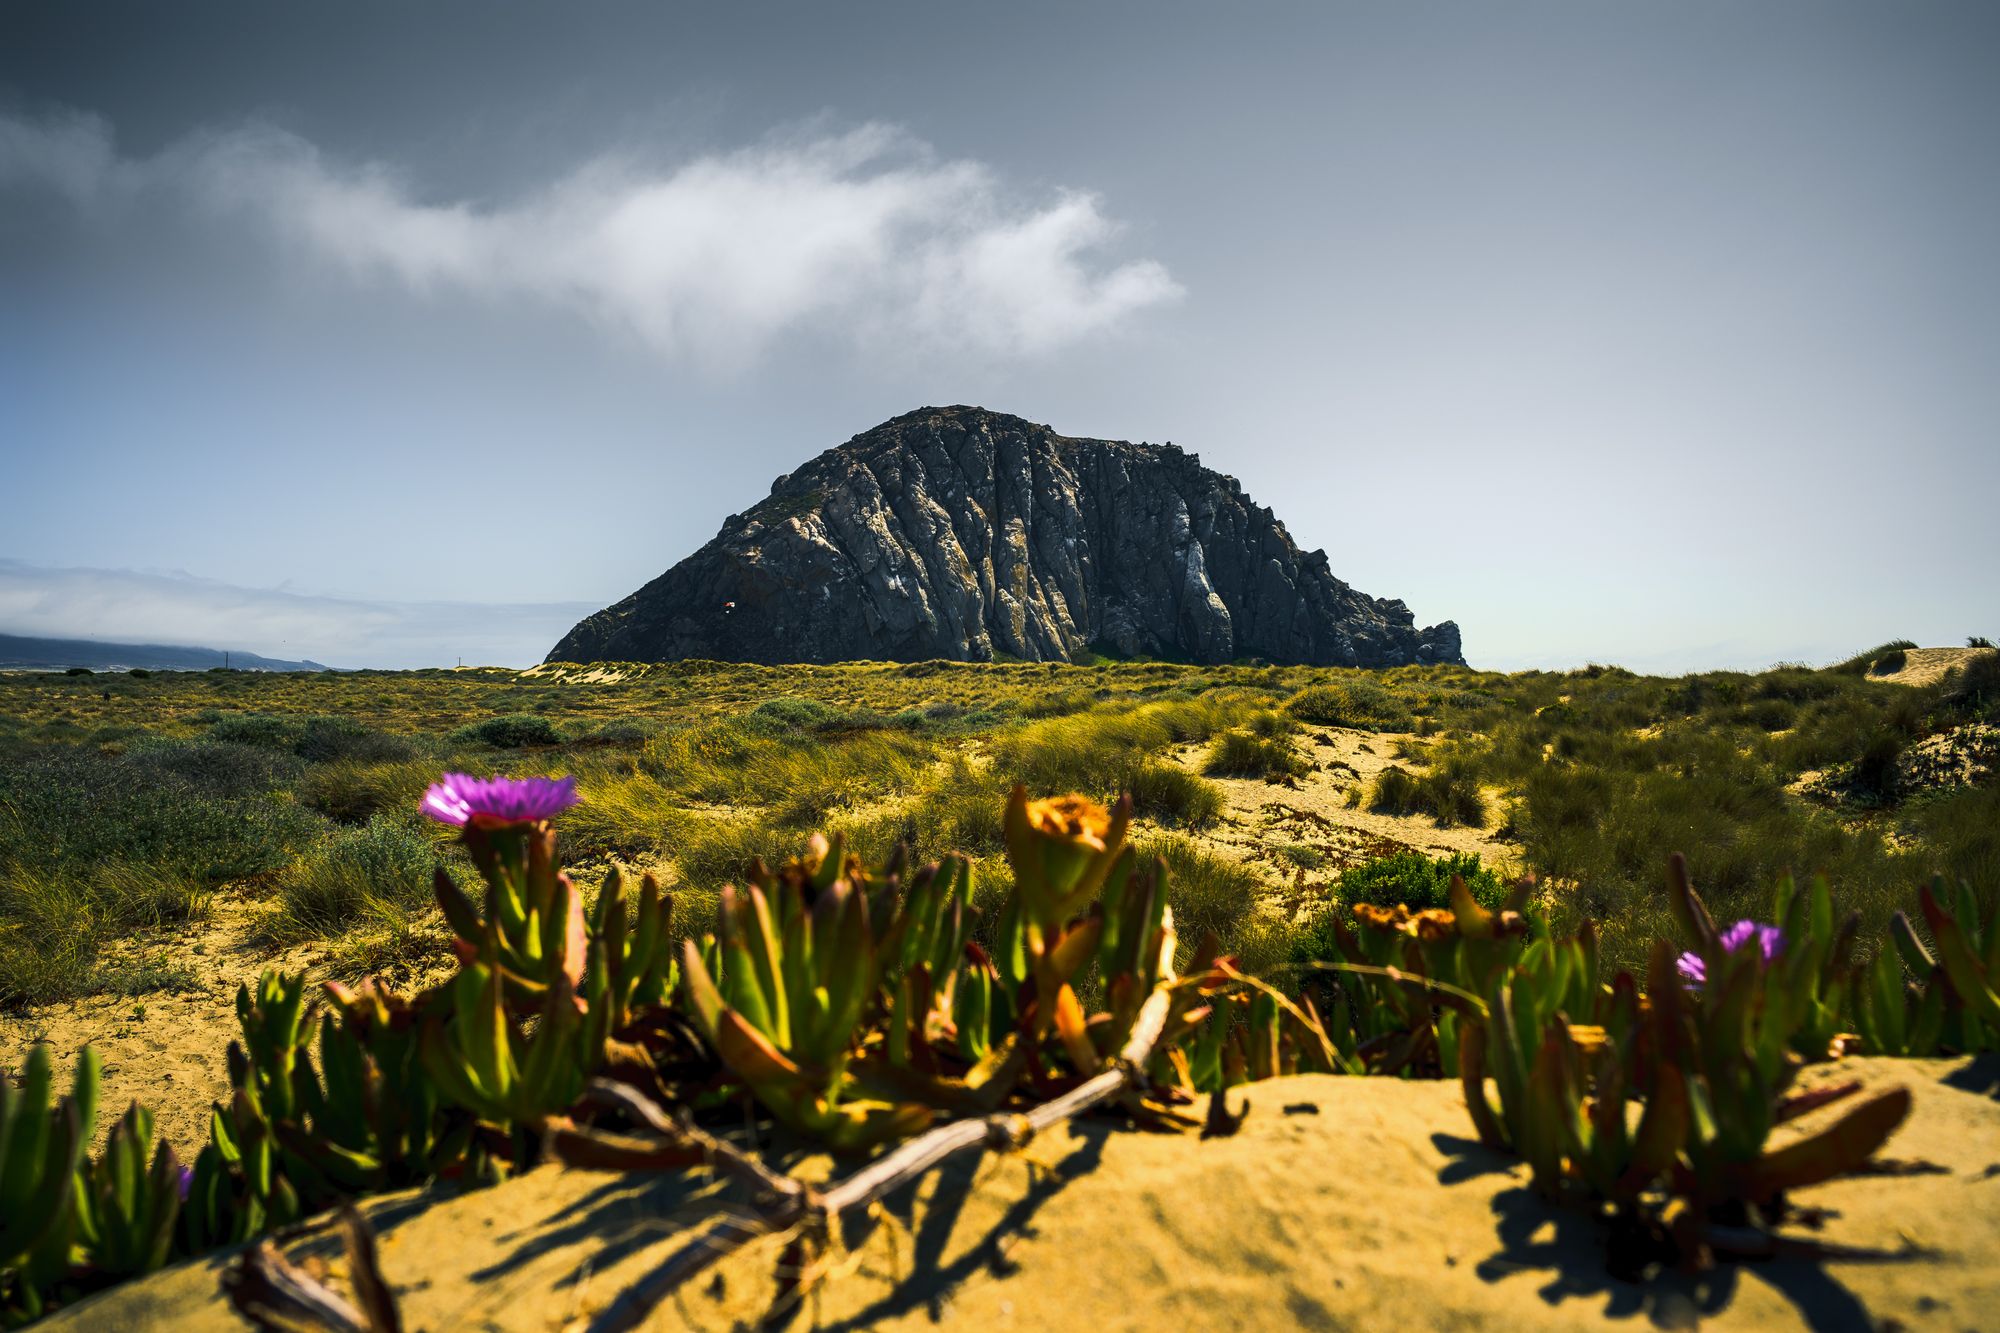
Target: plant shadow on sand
{"type": "Point", "coordinates": [930, 1281]}
{"type": "Point", "coordinates": [1537, 1237]}
{"type": "Point", "coordinates": [1979, 1075]}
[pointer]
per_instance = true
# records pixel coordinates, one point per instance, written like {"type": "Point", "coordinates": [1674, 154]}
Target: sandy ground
{"type": "Point", "coordinates": [167, 1049]}
{"type": "Point", "coordinates": [1926, 666]}
{"type": "Point", "coordinates": [1263, 816]}
{"type": "Point", "coordinates": [1341, 1203]}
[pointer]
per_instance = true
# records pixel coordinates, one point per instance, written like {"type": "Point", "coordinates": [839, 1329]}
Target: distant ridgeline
{"type": "Point", "coordinates": [18, 653]}
{"type": "Point", "coordinates": [966, 534]}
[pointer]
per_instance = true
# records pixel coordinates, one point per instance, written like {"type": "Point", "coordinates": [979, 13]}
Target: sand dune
{"type": "Point", "coordinates": [1927, 666]}
{"type": "Point", "coordinates": [1342, 1203]}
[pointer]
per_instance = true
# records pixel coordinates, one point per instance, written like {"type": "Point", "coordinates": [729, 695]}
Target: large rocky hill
{"type": "Point", "coordinates": [961, 533]}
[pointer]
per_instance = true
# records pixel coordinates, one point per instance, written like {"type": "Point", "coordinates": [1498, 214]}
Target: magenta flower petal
{"type": "Point", "coordinates": [1737, 935]}
{"type": "Point", "coordinates": [1692, 969]}
{"type": "Point", "coordinates": [443, 803]}
{"type": "Point", "coordinates": [458, 798]}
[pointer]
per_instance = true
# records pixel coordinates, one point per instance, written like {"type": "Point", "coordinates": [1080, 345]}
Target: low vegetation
{"type": "Point", "coordinates": [128, 802]}
{"type": "Point", "coordinates": [865, 1003]}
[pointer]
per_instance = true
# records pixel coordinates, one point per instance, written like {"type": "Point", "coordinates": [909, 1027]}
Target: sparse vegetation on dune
{"type": "Point", "coordinates": [864, 1005]}
{"type": "Point", "coordinates": [195, 783]}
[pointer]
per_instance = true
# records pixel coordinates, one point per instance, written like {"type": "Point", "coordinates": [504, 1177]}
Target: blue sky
{"type": "Point", "coordinates": [388, 334]}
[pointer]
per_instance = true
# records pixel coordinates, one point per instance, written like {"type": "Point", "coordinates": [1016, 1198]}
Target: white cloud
{"type": "Point", "coordinates": [865, 235]}
{"type": "Point", "coordinates": [128, 606]}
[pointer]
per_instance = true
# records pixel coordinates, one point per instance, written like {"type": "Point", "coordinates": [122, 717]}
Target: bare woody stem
{"type": "Point", "coordinates": [821, 1210]}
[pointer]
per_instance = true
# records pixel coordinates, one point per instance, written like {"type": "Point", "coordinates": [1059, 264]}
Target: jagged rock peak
{"type": "Point", "coordinates": [956, 532]}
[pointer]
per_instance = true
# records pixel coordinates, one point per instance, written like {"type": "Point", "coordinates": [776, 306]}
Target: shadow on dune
{"type": "Point", "coordinates": [929, 1281]}
{"type": "Point", "coordinates": [1980, 1075]}
{"type": "Point", "coordinates": [1570, 1248]}
{"type": "Point", "coordinates": [623, 1215]}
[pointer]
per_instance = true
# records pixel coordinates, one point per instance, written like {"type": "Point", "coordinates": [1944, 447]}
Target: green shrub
{"type": "Point", "coordinates": [1394, 792]}
{"type": "Point", "coordinates": [511, 731]}
{"type": "Point", "coordinates": [778, 716]}
{"type": "Point", "coordinates": [1873, 777]}
{"type": "Point", "coordinates": [1358, 704]}
{"type": "Point", "coordinates": [1172, 795]}
{"type": "Point", "coordinates": [208, 811]}
{"type": "Point", "coordinates": [382, 869]}
{"type": "Point", "coordinates": [1978, 641]}
{"type": "Point", "coordinates": [1889, 663]}
{"type": "Point", "coordinates": [353, 793]}
{"type": "Point", "coordinates": [1448, 792]}
{"type": "Point", "coordinates": [1243, 754]}
{"type": "Point", "coordinates": [1418, 881]}
{"type": "Point", "coordinates": [1973, 691]}
{"type": "Point", "coordinates": [325, 740]}
{"type": "Point", "coordinates": [316, 738]}
{"type": "Point", "coordinates": [1207, 892]}
{"type": "Point", "coordinates": [268, 731]}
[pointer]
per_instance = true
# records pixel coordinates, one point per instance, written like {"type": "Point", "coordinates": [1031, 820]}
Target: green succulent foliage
{"type": "Point", "coordinates": [1711, 1069]}
{"type": "Point", "coordinates": [797, 977]}
{"type": "Point", "coordinates": [629, 965]}
{"type": "Point", "coordinates": [43, 1142]}
{"type": "Point", "coordinates": [1968, 951]}
{"type": "Point", "coordinates": [1398, 983]}
{"type": "Point", "coordinates": [1815, 966]}
{"type": "Point", "coordinates": [483, 1061]}
{"type": "Point", "coordinates": [374, 1113]}
{"type": "Point", "coordinates": [531, 932]}
{"type": "Point", "coordinates": [126, 1210]}
{"type": "Point", "coordinates": [1895, 1016]}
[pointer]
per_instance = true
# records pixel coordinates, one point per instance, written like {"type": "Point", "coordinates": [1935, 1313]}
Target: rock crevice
{"type": "Point", "coordinates": [966, 534]}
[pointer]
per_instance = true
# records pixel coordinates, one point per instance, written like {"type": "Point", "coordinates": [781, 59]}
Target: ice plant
{"type": "Point", "coordinates": [1061, 850]}
{"type": "Point", "coordinates": [461, 799]}
{"type": "Point", "coordinates": [532, 931]}
{"type": "Point", "coordinates": [1770, 941]}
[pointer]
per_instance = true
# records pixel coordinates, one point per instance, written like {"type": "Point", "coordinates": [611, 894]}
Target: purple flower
{"type": "Point", "coordinates": [186, 1182]}
{"type": "Point", "coordinates": [1769, 939]}
{"type": "Point", "coordinates": [460, 798]}
{"type": "Point", "coordinates": [1770, 942]}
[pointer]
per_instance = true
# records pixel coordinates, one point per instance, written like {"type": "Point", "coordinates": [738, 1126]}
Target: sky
{"type": "Point", "coordinates": [390, 335]}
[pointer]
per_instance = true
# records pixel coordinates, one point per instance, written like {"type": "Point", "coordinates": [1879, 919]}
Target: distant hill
{"type": "Point", "coordinates": [19, 653]}
{"type": "Point", "coordinates": [973, 535]}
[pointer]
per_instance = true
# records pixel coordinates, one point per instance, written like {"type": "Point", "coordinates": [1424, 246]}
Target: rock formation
{"type": "Point", "coordinates": [966, 534]}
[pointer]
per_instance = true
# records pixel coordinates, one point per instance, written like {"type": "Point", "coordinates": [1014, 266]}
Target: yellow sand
{"type": "Point", "coordinates": [1926, 666]}
{"type": "Point", "coordinates": [1260, 816]}
{"type": "Point", "coordinates": [1342, 1203]}
{"type": "Point", "coordinates": [167, 1049]}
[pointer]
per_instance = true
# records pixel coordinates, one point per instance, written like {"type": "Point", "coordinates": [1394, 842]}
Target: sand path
{"type": "Point", "coordinates": [1262, 817]}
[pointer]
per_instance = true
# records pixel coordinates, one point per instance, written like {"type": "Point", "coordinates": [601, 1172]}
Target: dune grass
{"type": "Point", "coordinates": [127, 801]}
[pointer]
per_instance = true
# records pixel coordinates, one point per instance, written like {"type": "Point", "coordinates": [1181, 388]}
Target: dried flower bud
{"type": "Point", "coordinates": [1073, 819]}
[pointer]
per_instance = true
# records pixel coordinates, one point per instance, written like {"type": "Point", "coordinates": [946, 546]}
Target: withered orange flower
{"type": "Point", "coordinates": [1073, 819]}
{"type": "Point", "coordinates": [1433, 923]}
{"type": "Point", "coordinates": [1382, 918]}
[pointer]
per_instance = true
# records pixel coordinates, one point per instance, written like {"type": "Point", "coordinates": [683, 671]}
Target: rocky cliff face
{"type": "Point", "coordinates": [961, 533]}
